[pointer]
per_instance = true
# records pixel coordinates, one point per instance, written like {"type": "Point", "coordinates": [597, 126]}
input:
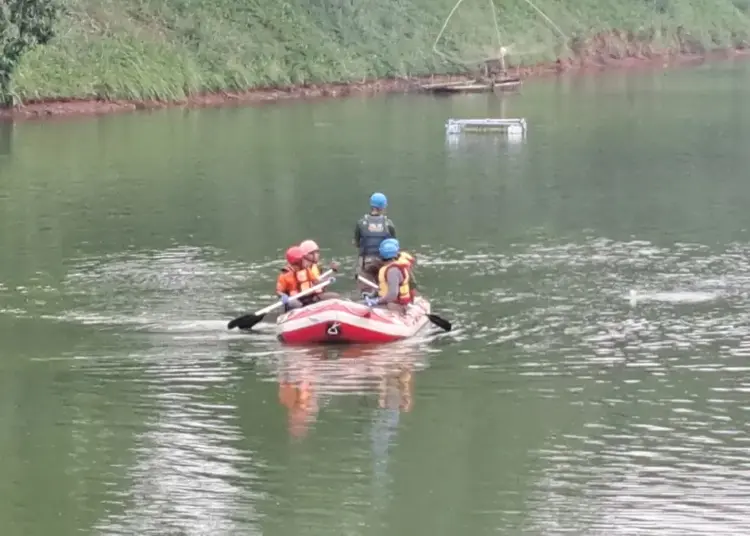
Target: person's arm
{"type": "Point", "coordinates": [372, 270]}
{"type": "Point", "coordinates": [357, 236]}
{"type": "Point", "coordinates": [281, 284]}
{"type": "Point", "coordinates": [391, 228]}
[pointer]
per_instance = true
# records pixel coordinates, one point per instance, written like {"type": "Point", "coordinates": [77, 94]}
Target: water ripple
{"type": "Point", "coordinates": [647, 343]}
{"type": "Point", "coordinates": [662, 331]}
{"type": "Point", "coordinates": [191, 474]}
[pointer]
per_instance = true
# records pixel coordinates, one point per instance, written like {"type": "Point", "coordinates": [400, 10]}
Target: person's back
{"type": "Point", "coordinates": [393, 284]}
{"type": "Point", "coordinates": [370, 232]}
{"type": "Point", "coordinates": [292, 280]}
{"type": "Point", "coordinates": [394, 290]}
{"type": "Point", "coordinates": [404, 259]}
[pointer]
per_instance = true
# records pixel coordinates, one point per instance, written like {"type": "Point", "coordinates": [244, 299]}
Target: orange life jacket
{"type": "Point", "coordinates": [293, 280]}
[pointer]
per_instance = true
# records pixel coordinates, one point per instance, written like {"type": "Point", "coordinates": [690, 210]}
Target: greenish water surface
{"type": "Point", "coordinates": [596, 271]}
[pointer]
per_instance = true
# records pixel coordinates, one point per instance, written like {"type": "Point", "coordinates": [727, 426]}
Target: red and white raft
{"type": "Point", "coordinates": [348, 322]}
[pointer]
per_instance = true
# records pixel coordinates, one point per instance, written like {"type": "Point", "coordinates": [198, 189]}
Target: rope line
{"type": "Point", "coordinates": [502, 50]}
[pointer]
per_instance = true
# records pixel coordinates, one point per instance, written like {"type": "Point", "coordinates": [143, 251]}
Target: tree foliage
{"type": "Point", "coordinates": [24, 24]}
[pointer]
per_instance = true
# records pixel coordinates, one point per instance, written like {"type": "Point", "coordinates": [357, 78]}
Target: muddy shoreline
{"type": "Point", "coordinates": [585, 63]}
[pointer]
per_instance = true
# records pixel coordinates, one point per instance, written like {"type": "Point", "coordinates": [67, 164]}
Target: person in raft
{"type": "Point", "coordinates": [370, 231]}
{"type": "Point", "coordinates": [311, 252]}
{"type": "Point", "coordinates": [394, 290]}
{"type": "Point", "coordinates": [405, 258]}
{"type": "Point", "coordinates": [296, 276]}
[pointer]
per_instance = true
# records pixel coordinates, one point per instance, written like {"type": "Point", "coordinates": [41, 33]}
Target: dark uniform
{"type": "Point", "coordinates": [370, 231]}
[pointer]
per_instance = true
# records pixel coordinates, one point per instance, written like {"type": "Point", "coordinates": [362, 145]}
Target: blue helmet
{"type": "Point", "coordinates": [378, 200]}
{"type": "Point", "coordinates": [389, 249]}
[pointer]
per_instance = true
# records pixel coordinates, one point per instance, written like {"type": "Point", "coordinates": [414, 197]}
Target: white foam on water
{"type": "Point", "coordinates": [188, 326]}
{"type": "Point", "coordinates": [97, 319]}
{"type": "Point", "coordinates": [684, 296]}
{"type": "Point", "coordinates": [13, 311]}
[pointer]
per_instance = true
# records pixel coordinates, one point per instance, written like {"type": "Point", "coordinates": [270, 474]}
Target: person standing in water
{"type": "Point", "coordinates": [369, 232]}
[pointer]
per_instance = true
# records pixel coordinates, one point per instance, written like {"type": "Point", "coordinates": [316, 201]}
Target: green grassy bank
{"type": "Point", "coordinates": [167, 49]}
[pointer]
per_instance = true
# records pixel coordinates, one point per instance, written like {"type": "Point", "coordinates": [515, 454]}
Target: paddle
{"type": "Point", "coordinates": [440, 322]}
{"type": "Point", "coordinates": [248, 321]}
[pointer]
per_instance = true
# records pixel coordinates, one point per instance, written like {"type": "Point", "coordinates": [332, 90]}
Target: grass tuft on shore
{"type": "Point", "coordinates": [169, 49]}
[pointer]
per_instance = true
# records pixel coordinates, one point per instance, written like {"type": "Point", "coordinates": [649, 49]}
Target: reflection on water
{"type": "Point", "coordinates": [310, 378]}
{"type": "Point", "coordinates": [194, 472]}
{"type": "Point", "coordinates": [191, 476]}
{"type": "Point", "coordinates": [343, 408]}
{"type": "Point", "coordinates": [650, 344]}
{"type": "Point", "coordinates": [685, 473]}
{"type": "Point", "coordinates": [6, 139]}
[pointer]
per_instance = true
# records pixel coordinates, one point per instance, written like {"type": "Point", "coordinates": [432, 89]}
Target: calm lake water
{"type": "Point", "coordinates": [597, 272]}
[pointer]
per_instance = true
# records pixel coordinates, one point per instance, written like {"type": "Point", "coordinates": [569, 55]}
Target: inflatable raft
{"type": "Point", "coordinates": [348, 322]}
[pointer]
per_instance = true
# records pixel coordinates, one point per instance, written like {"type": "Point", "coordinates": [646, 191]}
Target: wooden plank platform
{"type": "Point", "coordinates": [471, 87]}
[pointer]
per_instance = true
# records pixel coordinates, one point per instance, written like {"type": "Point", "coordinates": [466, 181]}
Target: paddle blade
{"type": "Point", "coordinates": [442, 323]}
{"type": "Point", "coordinates": [245, 322]}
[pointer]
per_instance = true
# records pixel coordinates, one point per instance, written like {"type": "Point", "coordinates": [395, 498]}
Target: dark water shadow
{"type": "Point", "coordinates": [6, 139]}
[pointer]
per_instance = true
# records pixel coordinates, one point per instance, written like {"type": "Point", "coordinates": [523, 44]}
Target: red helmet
{"type": "Point", "coordinates": [294, 255]}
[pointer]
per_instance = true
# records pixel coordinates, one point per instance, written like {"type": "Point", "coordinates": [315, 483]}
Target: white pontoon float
{"type": "Point", "coordinates": [513, 127]}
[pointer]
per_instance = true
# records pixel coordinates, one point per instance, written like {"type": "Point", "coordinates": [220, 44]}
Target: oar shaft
{"type": "Point", "coordinates": [302, 294]}
{"type": "Point", "coordinates": [367, 282]}
{"type": "Point", "coordinates": [435, 319]}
